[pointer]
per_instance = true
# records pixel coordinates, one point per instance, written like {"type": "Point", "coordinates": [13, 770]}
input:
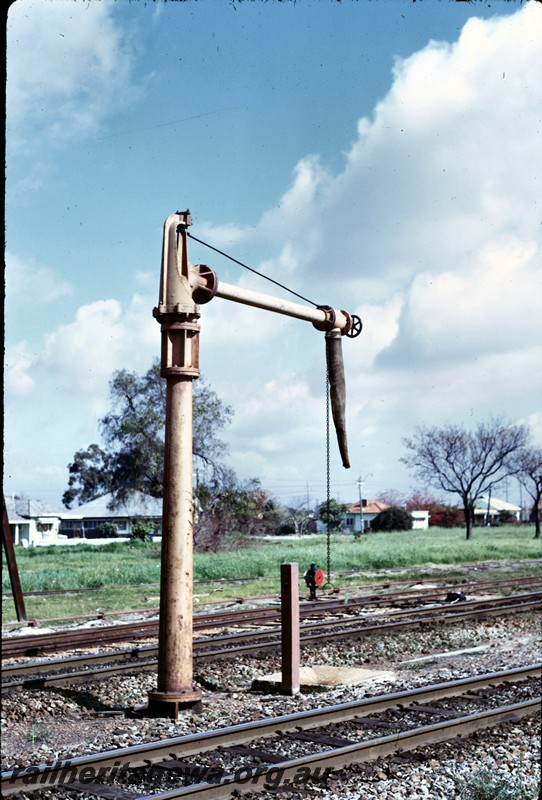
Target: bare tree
{"type": "Point", "coordinates": [392, 497]}
{"type": "Point", "coordinates": [463, 462]}
{"type": "Point", "coordinates": [529, 473]}
{"type": "Point", "coordinates": [299, 515]}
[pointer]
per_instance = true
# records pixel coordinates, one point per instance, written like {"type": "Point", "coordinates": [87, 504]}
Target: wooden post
{"type": "Point", "coordinates": [7, 540]}
{"type": "Point", "coordinates": [289, 583]}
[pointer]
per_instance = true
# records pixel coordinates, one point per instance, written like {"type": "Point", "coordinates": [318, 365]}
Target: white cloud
{"type": "Point", "coordinates": [448, 163]}
{"type": "Point", "coordinates": [66, 69]}
{"type": "Point", "coordinates": [433, 228]}
{"type": "Point", "coordinates": [18, 380]}
{"type": "Point", "coordinates": [81, 356]}
{"type": "Point", "coordinates": [450, 158]}
{"type": "Point", "coordinates": [29, 283]}
{"type": "Point", "coordinates": [482, 309]}
{"type": "Point", "coordinates": [145, 279]}
{"type": "Point", "coordinates": [534, 420]}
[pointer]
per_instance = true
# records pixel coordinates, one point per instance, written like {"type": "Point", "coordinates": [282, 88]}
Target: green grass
{"type": "Point", "coordinates": [375, 551]}
{"type": "Point", "coordinates": [126, 575]}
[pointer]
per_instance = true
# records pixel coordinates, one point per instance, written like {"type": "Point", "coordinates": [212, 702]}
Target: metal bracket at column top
{"type": "Point", "coordinates": [175, 290]}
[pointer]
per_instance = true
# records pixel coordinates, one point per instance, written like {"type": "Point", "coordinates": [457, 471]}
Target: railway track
{"type": "Point", "coordinates": [433, 591]}
{"type": "Point", "coordinates": [80, 668]}
{"type": "Point", "coordinates": [147, 586]}
{"type": "Point", "coordinates": [39, 644]}
{"type": "Point", "coordinates": [197, 583]}
{"type": "Point", "coordinates": [289, 750]}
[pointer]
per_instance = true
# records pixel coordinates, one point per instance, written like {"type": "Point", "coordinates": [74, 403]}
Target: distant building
{"type": "Point", "coordinates": [489, 510]}
{"type": "Point", "coordinates": [420, 520]}
{"type": "Point", "coordinates": [356, 520]}
{"type": "Point", "coordinates": [33, 522]}
{"type": "Point", "coordinates": [370, 508]}
{"type": "Point", "coordinates": [88, 521]}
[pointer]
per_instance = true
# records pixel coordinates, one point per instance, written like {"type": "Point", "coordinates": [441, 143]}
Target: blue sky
{"type": "Point", "coordinates": [381, 157]}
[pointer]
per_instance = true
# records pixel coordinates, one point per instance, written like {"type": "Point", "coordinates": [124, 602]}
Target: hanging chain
{"type": "Point", "coordinates": [328, 482]}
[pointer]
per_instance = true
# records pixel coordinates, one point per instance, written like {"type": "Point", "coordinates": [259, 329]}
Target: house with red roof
{"type": "Point", "coordinates": [357, 520]}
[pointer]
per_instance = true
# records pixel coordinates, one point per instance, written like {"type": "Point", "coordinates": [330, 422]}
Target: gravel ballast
{"type": "Point", "coordinates": [39, 727]}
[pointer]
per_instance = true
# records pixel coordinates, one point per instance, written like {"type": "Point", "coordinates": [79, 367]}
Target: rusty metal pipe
{"type": "Point", "coordinates": [336, 323]}
{"type": "Point", "coordinates": [175, 674]}
{"type": "Point", "coordinates": [267, 302]}
{"type": "Point", "coordinates": [182, 289]}
{"type": "Point", "coordinates": [178, 316]}
{"type": "Point", "coordinates": [175, 658]}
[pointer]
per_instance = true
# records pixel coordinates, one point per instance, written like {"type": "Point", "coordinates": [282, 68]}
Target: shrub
{"type": "Point", "coordinates": [483, 785]}
{"type": "Point", "coordinates": [392, 519]}
{"type": "Point", "coordinates": [443, 516]}
{"type": "Point", "coordinates": [507, 518]}
{"type": "Point", "coordinates": [142, 531]}
{"type": "Point", "coordinates": [107, 530]}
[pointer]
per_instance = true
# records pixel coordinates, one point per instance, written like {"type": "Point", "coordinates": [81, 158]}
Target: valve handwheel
{"type": "Point", "coordinates": [356, 327]}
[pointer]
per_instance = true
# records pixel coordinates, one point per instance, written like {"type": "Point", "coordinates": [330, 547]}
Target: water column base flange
{"type": "Point", "coordinates": [167, 705]}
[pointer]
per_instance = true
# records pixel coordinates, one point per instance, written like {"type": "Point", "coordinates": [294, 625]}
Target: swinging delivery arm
{"type": "Point", "coordinates": [323, 318]}
{"type": "Point", "coordinates": [334, 323]}
{"type": "Point", "coordinates": [184, 287]}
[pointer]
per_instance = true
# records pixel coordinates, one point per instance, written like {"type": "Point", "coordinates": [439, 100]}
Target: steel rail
{"type": "Point", "coordinates": [323, 605]}
{"type": "Point", "coordinates": [68, 639]}
{"type": "Point", "coordinates": [47, 775]}
{"type": "Point", "coordinates": [253, 779]}
{"type": "Point", "coordinates": [454, 610]}
{"type": "Point", "coordinates": [32, 645]}
{"type": "Point", "coordinates": [495, 602]}
{"type": "Point", "coordinates": [353, 633]}
{"type": "Point", "coordinates": [447, 618]}
{"type": "Point", "coordinates": [213, 581]}
{"type": "Point", "coordinates": [203, 653]}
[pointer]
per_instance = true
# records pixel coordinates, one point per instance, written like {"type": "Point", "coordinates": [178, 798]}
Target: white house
{"type": "Point", "coordinates": [420, 520]}
{"type": "Point", "coordinates": [488, 509]}
{"type": "Point", "coordinates": [34, 523]}
{"type": "Point", "coordinates": [356, 521]}
{"type": "Point", "coordinates": [86, 520]}
{"type": "Point", "coordinates": [370, 508]}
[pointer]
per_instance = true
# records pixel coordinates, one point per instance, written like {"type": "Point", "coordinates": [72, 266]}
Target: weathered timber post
{"type": "Point", "coordinates": [289, 585]}
{"type": "Point", "coordinates": [178, 315]}
{"type": "Point", "coordinates": [11, 560]}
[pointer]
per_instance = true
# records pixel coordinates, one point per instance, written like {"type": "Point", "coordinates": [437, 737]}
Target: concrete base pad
{"type": "Point", "coordinates": [322, 677]}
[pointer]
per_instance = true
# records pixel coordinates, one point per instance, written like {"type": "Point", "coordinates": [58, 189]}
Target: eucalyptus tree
{"type": "Point", "coordinates": [132, 458]}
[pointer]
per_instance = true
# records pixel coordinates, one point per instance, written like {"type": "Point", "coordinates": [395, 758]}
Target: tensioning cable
{"type": "Point", "coordinates": [354, 330]}
{"type": "Point", "coordinates": [250, 269]}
